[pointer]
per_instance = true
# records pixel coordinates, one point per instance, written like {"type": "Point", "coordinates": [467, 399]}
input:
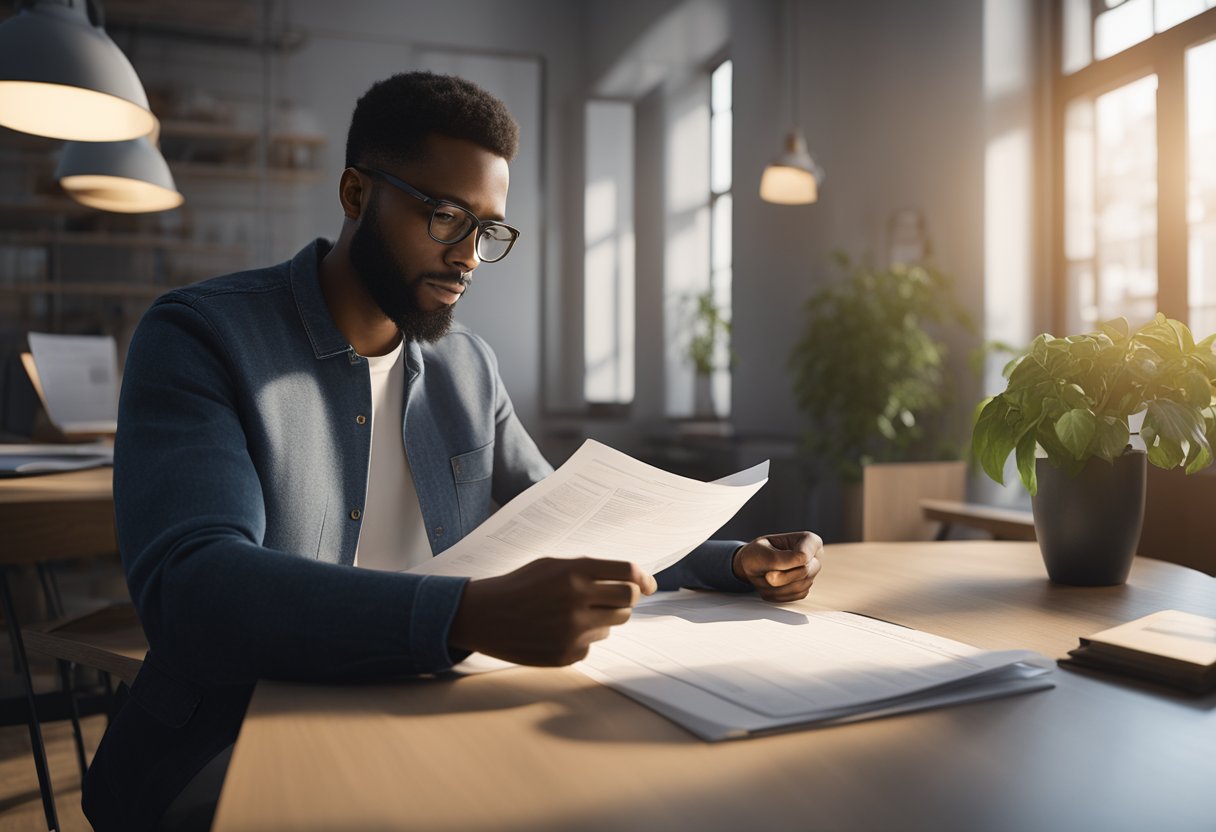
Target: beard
{"type": "Point", "coordinates": [394, 291]}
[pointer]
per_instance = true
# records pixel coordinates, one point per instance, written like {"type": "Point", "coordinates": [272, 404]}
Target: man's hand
{"type": "Point", "coordinates": [781, 567]}
{"type": "Point", "coordinates": [548, 612]}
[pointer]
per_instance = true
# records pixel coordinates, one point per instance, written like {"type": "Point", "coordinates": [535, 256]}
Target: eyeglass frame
{"type": "Point", "coordinates": [434, 204]}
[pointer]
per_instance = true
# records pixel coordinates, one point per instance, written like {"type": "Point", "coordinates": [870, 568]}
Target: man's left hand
{"type": "Point", "coordinates": [781, 567]}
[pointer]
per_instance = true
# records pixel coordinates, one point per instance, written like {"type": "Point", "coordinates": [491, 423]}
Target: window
{"type": "Point", "coordinates": [1138, 191]}
{"type": "Point", "coordinates": [608, 255]}
{"type": "Point", "coordinates": [720, 221]}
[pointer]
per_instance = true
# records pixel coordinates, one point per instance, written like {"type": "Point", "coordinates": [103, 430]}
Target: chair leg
{"type": "Point", "coordinates": [54, 600]}
{"type": "Point", "coordinates": [65, 678]}
{"type": "Point", "coordinates": [40, 766]}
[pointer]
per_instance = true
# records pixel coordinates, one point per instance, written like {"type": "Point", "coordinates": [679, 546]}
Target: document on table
{"type": "Point", "coordinates": [602, 504]}
{"type": "Point", "coordinates": [733, 666]}
{"type": "Point", "coordinates": [22, 459]}
{"type": "Point", "coordinates": [77, 380]}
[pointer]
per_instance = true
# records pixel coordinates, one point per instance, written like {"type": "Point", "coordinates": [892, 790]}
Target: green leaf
{"type": "Point", "coordinates": [1111, 436]}
{"type": "Point", "coordinates": [1075, 428]}
{"type": "Point", "coordinates": [1197, 388]}
{"type": "Point", "coordinates": [1117, 329]}
{"type": "Point", "coordinates": [1026, 462]}
{"type": "Point", "coordinates": [1166, 453]}
{"type": "Point", "coordinates": [1174, 421]}
{"type": "Point", "coordinates": [992, 440]}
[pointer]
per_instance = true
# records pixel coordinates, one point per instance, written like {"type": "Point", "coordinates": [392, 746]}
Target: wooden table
{"type": "Point", "coordinates": [57, 516]}
{"type": "Point", "coordinates": [44, 519]}
{"type": "Point", "coordinates": [548, 749]}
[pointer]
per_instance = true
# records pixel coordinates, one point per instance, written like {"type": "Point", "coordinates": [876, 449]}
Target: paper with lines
{"type": "Point", "coordinates": [601, 504]}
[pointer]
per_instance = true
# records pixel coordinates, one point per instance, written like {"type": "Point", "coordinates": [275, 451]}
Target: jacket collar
{"type": "Point", "coordinates": [326, 339]}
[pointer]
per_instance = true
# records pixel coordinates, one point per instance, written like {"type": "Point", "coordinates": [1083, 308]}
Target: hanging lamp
{"type": "Point", "coordinates": [62, 77]}
{"type": "Point", "coordinates": [793, 178]}
{"type": "Point", "coordinates": [128, 177]}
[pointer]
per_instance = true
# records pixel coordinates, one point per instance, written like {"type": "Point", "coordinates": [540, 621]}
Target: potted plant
{"type": "Point", "coordinates": [870, 375]}
{"type": "Point", "coordinates": [868, 370]}
{"type": "Point", "coordinates": [708, 328]}
{"type": "Point", "coordinates": [1066, 416]}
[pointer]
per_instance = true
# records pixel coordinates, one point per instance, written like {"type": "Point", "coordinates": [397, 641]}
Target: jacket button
{"type": "Point", "coordinates": [361, 419]}
{"type": "Point", "coordinates": [438, 530]}
{"type": "Point", "coordinates": [355, 514]}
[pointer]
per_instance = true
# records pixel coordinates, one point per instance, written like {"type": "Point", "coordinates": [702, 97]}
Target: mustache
{"type": "Point", "coordinates": [463, 279]}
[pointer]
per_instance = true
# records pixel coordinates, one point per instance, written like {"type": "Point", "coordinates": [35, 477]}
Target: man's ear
{"type": "Point", "coordinates": [352, 194]}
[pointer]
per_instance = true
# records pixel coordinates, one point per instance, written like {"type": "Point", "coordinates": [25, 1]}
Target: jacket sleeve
{"type": "Point", "coordinates": [706, 567]}
{"type": "Point", "coordinates": [216, 604]}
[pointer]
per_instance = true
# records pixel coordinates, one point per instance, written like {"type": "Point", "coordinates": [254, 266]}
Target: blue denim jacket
{"type": "Point", "coordinates": [239, 479]}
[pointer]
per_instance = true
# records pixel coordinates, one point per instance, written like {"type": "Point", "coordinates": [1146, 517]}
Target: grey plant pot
{"type": "Point", "coordinates": [1088, 526]}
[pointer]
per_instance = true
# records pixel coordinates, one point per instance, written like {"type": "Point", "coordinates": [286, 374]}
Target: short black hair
{"type": "Point", "coordinates": [394, 117]}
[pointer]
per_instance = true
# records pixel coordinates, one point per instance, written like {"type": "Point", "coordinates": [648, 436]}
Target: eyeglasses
{"type": "Point", "coordinates": [450, 223]}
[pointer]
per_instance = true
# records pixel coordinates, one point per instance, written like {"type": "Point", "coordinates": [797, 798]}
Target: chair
{"type": "Point", "coordinates": [891, 495]}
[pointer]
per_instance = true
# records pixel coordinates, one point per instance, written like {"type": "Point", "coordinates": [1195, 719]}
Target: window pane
{"type": "Point", "coordinates": [720, 149]}
{"type": "Point", "coordinates": [1125, 195]}
{"type": "Point", "coordinates": [1201, 186]}
{"type": "Point", "coordinates": [1172, 12]}
{"type": "Point", "coordinates": [721, 80]}
{"type": "Point", "coordinates": [720, 255]}
{"type": "Point", "coordinates": [1078, 24]}
{"type": "Point", "coordinates": [1110, 199]}
{"type": "Point", "coordinates": [1123, 26]}
{"type": "Point", "coordinates": [608, 258]}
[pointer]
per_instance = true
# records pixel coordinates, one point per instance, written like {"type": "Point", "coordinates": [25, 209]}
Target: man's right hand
{"type": "Point", "coordinates": [549, 611]}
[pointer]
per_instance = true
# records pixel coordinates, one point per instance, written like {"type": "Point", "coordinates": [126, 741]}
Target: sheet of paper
{"type": "Point", "coordinates": [39, 459]}
{"type": "Point", "coordinates": [601, 504]}
{"type": "Point", "coordinates": [78, 375]}
{"type": "Point", "coordinates": [728, 666]}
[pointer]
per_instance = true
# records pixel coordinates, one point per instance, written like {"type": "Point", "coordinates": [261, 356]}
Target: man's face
{"type": "Point", "coordinates": [414, 280]}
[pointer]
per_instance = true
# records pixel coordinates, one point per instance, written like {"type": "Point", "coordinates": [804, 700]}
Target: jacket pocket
{"type": "Point", "coordinates": [473, 474]}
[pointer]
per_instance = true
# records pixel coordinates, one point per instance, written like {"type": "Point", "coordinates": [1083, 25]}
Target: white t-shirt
{"type": "Point", "coordinates": [393, 534]}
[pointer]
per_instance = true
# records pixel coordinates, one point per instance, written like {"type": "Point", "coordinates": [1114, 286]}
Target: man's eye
{"type": "Point", "coordinates": [445, 217]}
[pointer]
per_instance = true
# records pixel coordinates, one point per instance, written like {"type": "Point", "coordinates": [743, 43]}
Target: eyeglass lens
{"type": "Point", "coordinates": [450, 224]}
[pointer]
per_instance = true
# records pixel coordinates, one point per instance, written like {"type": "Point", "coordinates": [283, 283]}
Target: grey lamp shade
{"type": "Point", "coordinates": [64, 78]}
{"type": "Point", "coordinates": [129, 177]}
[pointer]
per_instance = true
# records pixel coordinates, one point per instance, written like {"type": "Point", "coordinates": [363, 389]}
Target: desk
{"type": "Point", "coordinates": [548, 749]}
{"type": "Point", "coordinates": [43, 519]}
{"type": "Point", "coordinates": [57, 516]}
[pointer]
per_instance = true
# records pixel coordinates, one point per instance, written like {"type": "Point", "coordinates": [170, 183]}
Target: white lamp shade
{"type": "Point", "coordinates": [64, 78]}
{"type": "Point", "coordinates": [793, 179]}
{"type": "Point", "coordinates": [129, 177]}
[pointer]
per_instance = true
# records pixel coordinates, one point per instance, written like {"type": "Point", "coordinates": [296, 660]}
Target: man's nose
{"type": "Point", "coordinates": [463, 255]}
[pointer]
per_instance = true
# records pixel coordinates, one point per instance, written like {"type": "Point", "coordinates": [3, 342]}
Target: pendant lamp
{"type": "Point", "coordinates": [128, 177]}
{"type": "Point", "coordinates": [793, 178]}
{"type": "Point", "coordinates": [62, 77]}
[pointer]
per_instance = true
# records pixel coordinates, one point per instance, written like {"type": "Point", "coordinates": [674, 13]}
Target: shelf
{"type": "Point", "coordinates": [217, 131]}
{"type": "Point", "coordinates": [67, 287]}
{"type": "Point", "coordinates": [46, 205]}
{"type": "Point", "coordinates": [152, 241]}
{"type": "Point", "coordinates": [204, 170]}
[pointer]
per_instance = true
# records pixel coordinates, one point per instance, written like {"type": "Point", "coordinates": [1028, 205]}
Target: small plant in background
{"type": "Point", "coordinates": [1073, 398]}
{"type": "Point", "coordinates": [708, 327]}
{"type": "Point", "coordinates": [868, 371]}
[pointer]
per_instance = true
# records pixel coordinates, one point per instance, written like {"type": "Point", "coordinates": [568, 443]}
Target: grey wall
{"type": "Point", "coordinates": [891, 104]}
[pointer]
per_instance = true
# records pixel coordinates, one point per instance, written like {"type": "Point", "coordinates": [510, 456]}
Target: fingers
{"type": "Point", "coordinates": [617, 570]}
{"type": "Point", "coordinates": [798, 573]}
{"type": "Point", "coordinates": [614, 594]}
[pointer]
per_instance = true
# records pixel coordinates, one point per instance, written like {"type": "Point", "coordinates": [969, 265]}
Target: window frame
{"type": "Point", "coordinates": [1163, 54]}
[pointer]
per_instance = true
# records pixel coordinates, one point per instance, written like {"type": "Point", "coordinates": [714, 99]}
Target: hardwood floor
{"type": "Point", "coordinates": [20, 802]}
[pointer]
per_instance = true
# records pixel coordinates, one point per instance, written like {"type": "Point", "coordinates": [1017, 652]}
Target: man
{"type": "Point", "coordinates": [280, 426]}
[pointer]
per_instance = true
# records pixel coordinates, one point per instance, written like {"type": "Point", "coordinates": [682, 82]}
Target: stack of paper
{"type": "Point", "coordinates": [1171, 647]}
{"type": "Point", "coordinates": [733, 666]}
{"type": "Point", "coordinates": [18, 460]}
